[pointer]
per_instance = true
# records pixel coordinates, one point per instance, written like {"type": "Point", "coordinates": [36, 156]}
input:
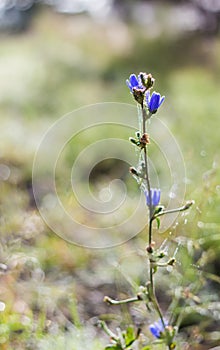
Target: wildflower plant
{"type": "Point", "coordinates": [162, 329]}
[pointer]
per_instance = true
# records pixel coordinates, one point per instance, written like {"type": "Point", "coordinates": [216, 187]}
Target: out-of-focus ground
{"type": "Point", "coordinates": [55, 58]}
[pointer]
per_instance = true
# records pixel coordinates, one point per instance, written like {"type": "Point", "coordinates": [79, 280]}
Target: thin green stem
{"type": "Point", "coordinates": [104, 326]}
{"type": "Point", "coordinates": [146, 165]}
{"type": "Point", "coordinates": [119, 302]}
{"type": "Point", "coordinates": [150, 230]}
{"type": "Point", "coordinates": [147, 178]}
{"type": "Point", "coordinates": [157, 307]}
{"type": "Point", "coordinates": [170, 211]}
{"type": "Point", "coordinates": [150, 242]}
{"type": "Point", "coordinates": [151, 217]}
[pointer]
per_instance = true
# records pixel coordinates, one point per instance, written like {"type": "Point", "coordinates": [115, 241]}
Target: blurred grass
{"type": "Point", "coordinates": [64, 63]}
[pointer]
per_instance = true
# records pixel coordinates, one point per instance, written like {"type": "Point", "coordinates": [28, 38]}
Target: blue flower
{"type": "Point", "coordinates": [157, 328]}
{"type": "Point", "coordinates": [154, 101]}
{"type": "Point", "coordinates": [155, 196]}
{"type": "Point", "coordinates": [134, 82]}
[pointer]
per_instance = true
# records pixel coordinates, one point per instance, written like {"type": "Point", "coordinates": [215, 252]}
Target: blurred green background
{"type": "Point", "coordinates": [54, 58]}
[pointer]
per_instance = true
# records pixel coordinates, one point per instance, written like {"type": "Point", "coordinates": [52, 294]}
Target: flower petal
{"type": "Point", "coordinates": [154, 195]}
{"type": "Point", "coordinates": [161, 100]}
{"type": "Point", "coordinates": [133, 80]}
{"type": "Point", "coordinates": [157, 328]}
{"type": "Point", "coordinates": [128, 84]}
{"type": "Point", "coordinates": [154, 101]}
{"type": "Point", "coordinates": [154, 330]}
{"type": "Point", "coordinates": [148, 98]}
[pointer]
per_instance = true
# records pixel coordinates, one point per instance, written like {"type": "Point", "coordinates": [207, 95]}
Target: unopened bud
{"type": "Point", "coordinates": [161, 255]}
{"type": "Point", "coordinates": [132, 140]}
{"type": "Point", "coordinates": [150, 248]}
{"type": "Point", "coordinates": [133, 171]}
{"type": "Point", "coordinates": [171, 262]}
{"type": "Point", "coordinates": [189, 204]}
{"type": "Point", "coordinates": [145, 139]}
{"type": "Point", "coordinates": [138, 95]}
{"type": "Point", "coordinates": [147, 80]}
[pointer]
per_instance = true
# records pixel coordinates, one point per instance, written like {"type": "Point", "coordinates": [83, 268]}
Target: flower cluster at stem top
{"type": "Point", "coordinates": [139, 87]}
{"type": "Point", "coordinates": [150, 102]}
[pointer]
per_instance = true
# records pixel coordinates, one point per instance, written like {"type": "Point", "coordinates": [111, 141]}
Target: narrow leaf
{"type": "Point", "coordinates": [158, 223]}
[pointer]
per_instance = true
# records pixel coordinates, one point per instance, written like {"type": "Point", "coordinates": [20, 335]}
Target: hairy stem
{"type": "Point", "coordinates": [151, 217]}
{"type": "Point", "coordinates": [146, 165]}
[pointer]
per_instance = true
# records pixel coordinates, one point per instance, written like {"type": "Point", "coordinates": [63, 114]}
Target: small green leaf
{"type": "Point", "coordinates": [130, 336]}
{"type": "Point", "coordinates": [146, 348]}
{"type": "Point", "coordinates": [155, 269]}
{"type": "Point", "coordinates": [113, 347]}
{"type": "Point", "coordinates": [158, 223]}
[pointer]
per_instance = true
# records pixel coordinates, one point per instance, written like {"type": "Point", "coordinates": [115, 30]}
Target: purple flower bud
{"type": "Point", "coordinates": [155, 196]}
{"type": "Point", "coordinates": [154, 101]}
